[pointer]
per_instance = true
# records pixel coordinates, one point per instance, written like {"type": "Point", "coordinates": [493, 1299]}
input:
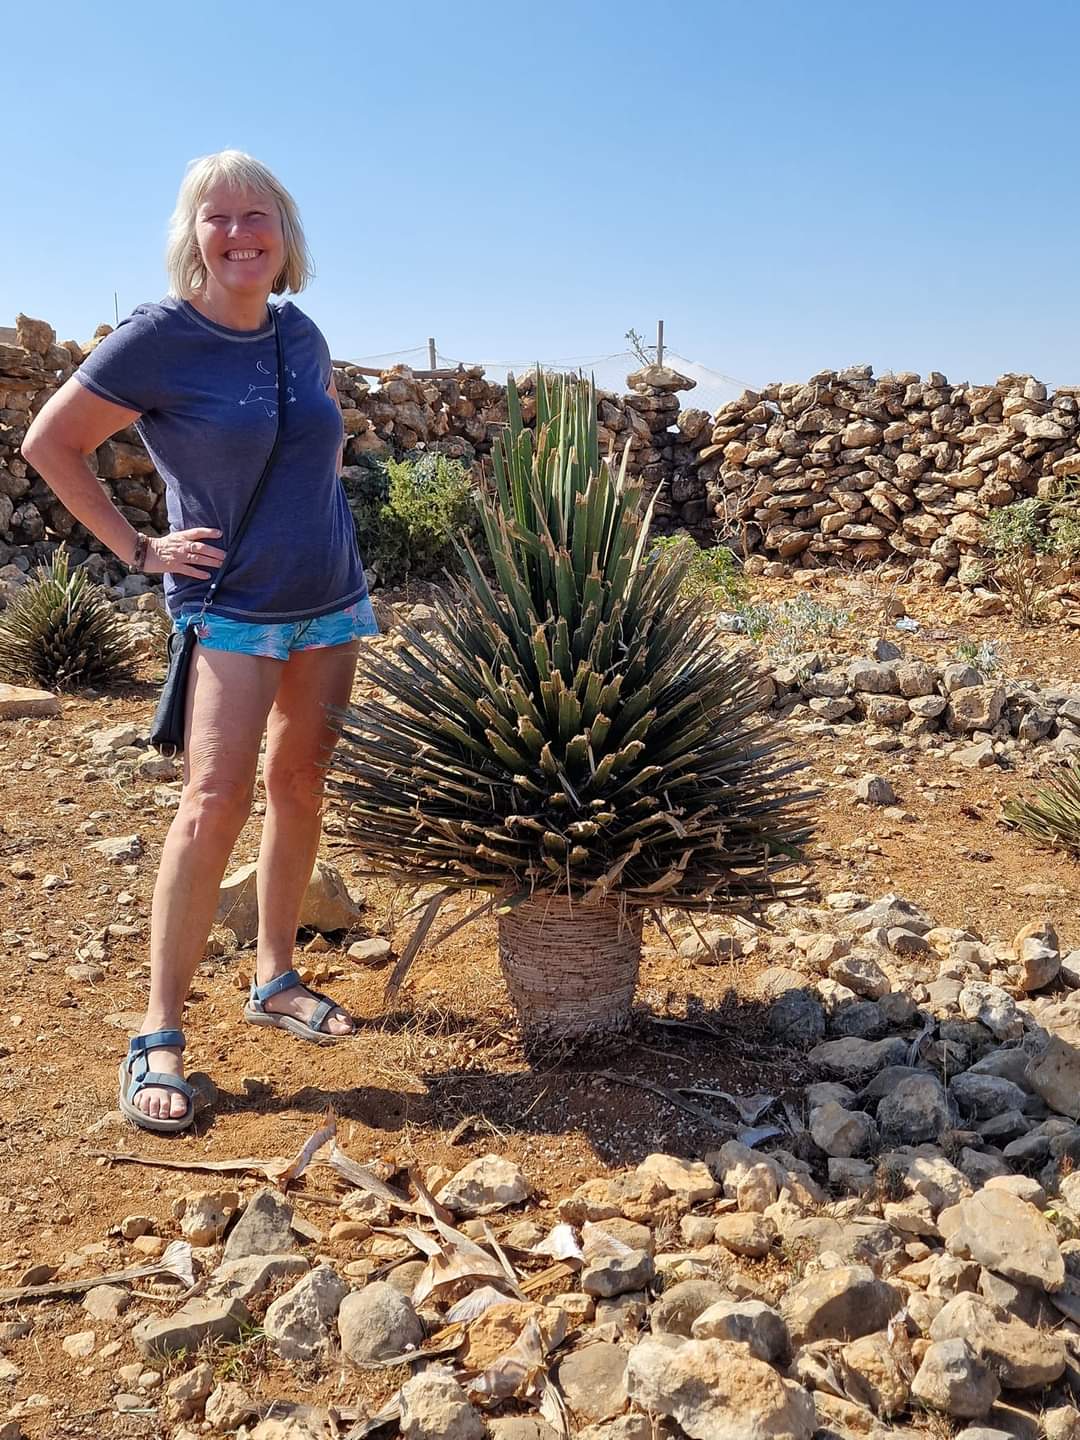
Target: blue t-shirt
{"type": "Point", "coordinates": [207, 397]}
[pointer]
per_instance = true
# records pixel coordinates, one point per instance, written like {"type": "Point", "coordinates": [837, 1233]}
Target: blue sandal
{"type": "Point", "coordinates": [135, 1075]}
{"type": "Point", "coordinates": [311, 1029]}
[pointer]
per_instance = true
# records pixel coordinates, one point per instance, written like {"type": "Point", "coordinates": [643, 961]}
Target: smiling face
{"type": "Point", "coordinates": [240, 237]}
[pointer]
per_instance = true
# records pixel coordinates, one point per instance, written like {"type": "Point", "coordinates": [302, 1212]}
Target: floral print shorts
{"type": "Point", "coordinates": [277, 642]}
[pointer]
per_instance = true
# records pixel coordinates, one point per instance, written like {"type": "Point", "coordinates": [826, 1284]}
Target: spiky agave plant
{"type": "Point", "coordinates": [570, 737]}
{"type": "Point", "coordinates": [1053, 816]}
{"type": "Point", "coordinates": [61, 631]}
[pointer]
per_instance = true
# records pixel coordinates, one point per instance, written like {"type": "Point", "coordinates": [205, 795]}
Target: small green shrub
{"type": "Point", "coordinates": [1018, 535]}
{"type": "Point", "coordinates": [713, 574]}
{"type": "Point", "coordinates": [409, 512]}
{"type": "Point", "coordinates": [983, 656]}
{"type": "Point", "coordinates": [62, 631]}
{"type": "Point", "coordinates": [1065, 537]}
{"type": "Point", "coordinates": [787, 629]}
{"type": "Point", "coordinates": [1017, 527]}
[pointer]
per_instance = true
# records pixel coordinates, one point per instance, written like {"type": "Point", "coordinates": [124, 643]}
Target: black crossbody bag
{"type": "Point", "coordinates": [167, 727]}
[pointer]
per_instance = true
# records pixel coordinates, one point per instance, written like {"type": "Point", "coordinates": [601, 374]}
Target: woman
{"type": "Point", "coordinates": [197, 376]}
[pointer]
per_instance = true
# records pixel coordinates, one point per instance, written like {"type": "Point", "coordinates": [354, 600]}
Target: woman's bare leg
{"type": "Point", "coordinates": [299, 742]}
{"type": "Point", "coordinates": [229, 698]}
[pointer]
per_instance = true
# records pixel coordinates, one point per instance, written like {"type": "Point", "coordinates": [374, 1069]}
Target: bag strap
{"type": "Point", "coordinates": [238, 535]}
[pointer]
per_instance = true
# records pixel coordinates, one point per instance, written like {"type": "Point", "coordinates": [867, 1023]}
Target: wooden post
{"type": "Point", "coordinates": [431, 354]}
{"type": "Point", "coordinates": [659, 342]}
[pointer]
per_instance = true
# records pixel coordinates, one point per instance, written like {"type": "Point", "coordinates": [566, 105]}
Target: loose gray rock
{"type": "Point", "coordinates": [117, 849]}
{"type": "Point", "coordinates": [327, 905]}
{"type": "Point", "coordinates": [244, 1279]}
{"type": "Point", "coordinates": [1070, 969]}
{"type": "Point", "coordinates": [531, 1427]}
{"type": "Point", "coordinates": [374, 951]}
{"type": "Point", "coordinates": [681, 1304]}
{"type": "Point", "coordinates": [435, 1407]}
{"type": "Point", "coordinates": [295, 1421]}
{"type": "Point", "coordinates": [914, 1112]}
{"type": "Point", "coordinates": [625, 1312]}
{"type": "Point", "coordinates": [861, 973]}
{"type": "Point", "coordinates": [874, 790]}
{"type": "Point", "coordinates": [906, 943]}
{"type": "Point", "coordinates": [874, 1375]}
{"type": "Point", "coordinates": [1061, 1422]}
{"type": "Point", "coordinates": [117, 737]}
{"type": "Point", "coordinates": [953, 1380]}
{"type": "Point", "coordinates": [485, 1186]}
{"type": "Point", "coordinates": [860, 1019]}
{"type": "Point", "coordinates": [593, 1380]}
{"type": "Point", "coordinates": [377, 1323]}
{"type": "Point", "coordinates": [106, 1302]}
{"type": "Point", "coordinates": [745, 1322]}
{"type": "Point", "coordinates": [993, 1007]}
{"type": "Point", "coordinates": [205, 1214]}
{"type": "Point", "coordinates": [298, 1323]}
{"type": "Point", "coordinates": [617, 1274]}
{"type": "Point", "coordinates": [891, 911]}
{"type": "Point", "coordinates": [188, 1327]}
{"type": "Point", "coordinates": [931, 1175]}
{"type": "Point", "coordinates": [264, 1228]}
{"type": "Point", "coordinates": [1055, 1075]}
{"type": "Point", "coordinates": [228, 1406]}
{"type": "Point", "coordinates": [975, 707]}
{"type": "Point", "coordinates": [1038, 954]}
{"type": "Point", "coordinates": [1009, 1236]}
{"type": "Point", "coordinates": [980, 1097]}
{"type": "Point", "coordinates": [1022, 1357]}
{"type": "Point", "coordinates": [716, 1391]}
{"type": "Point", "coordinates": [747, 1234]}
{"type": "Point", "coordinates": [840, 1304]}
{"type": "Point", "coordinates": [914, 679]}
{"type": "Point", "coordinates": [689, 1180]}
{"type": "Point", "coordinates": [870, 677]}
{"type": "Point", "coordinates": [840, 1132]}
{"type": "Point", "coordinates": [858, 1058]}
{"type": "Point", "coordinates": [187, 1393]}
{"type": "Point", "coordinates": [798, 1018]}
{"type": "Point", "coordinates": [959, 676]}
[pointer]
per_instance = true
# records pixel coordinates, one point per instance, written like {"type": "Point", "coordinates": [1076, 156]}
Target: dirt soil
{"type": "Point", "coordinates": [442, 1078]}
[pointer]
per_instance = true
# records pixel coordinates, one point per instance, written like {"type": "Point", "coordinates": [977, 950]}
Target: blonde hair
{"type": "Point", "coordinates": [183, 258]}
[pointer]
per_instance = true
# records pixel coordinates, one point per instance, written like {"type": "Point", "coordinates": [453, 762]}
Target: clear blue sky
{"type": "Point", "coordinates": [789, 185]}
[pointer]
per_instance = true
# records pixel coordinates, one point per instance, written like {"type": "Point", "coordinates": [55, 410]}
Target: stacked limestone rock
{"type": "Point", "coordinates": [992, 721]}
{"type": "Point", "coordinates": [454, 414]}
{"type": "Point", "coordinates": [29, 512]}
{"type": "Point", "coordinates": [847, 468]}
{"type": "Point", "coordinates": [30, 369]}
{"type": "Point", "coordinates": [646, 419]}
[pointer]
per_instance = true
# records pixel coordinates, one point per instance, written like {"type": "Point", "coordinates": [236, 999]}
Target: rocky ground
{"type": "Point", "coordinates": [826, 1188]}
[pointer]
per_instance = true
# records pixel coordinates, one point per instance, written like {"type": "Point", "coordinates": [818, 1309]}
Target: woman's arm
{"type": "Point", "coordinates": [69, 426]}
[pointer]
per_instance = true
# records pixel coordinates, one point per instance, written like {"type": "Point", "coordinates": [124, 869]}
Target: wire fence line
{"type": "Point", "coordinates": [713, 388]}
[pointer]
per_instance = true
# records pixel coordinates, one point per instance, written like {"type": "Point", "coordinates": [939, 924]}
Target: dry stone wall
{"type": "Point", "coordinates": [843, 469]}
{"type": "Point", "coordinates": [846, 468]}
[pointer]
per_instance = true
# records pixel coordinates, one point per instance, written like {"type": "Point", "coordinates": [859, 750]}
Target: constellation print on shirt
{"type": "Point", "coordinates": [266, 395]}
